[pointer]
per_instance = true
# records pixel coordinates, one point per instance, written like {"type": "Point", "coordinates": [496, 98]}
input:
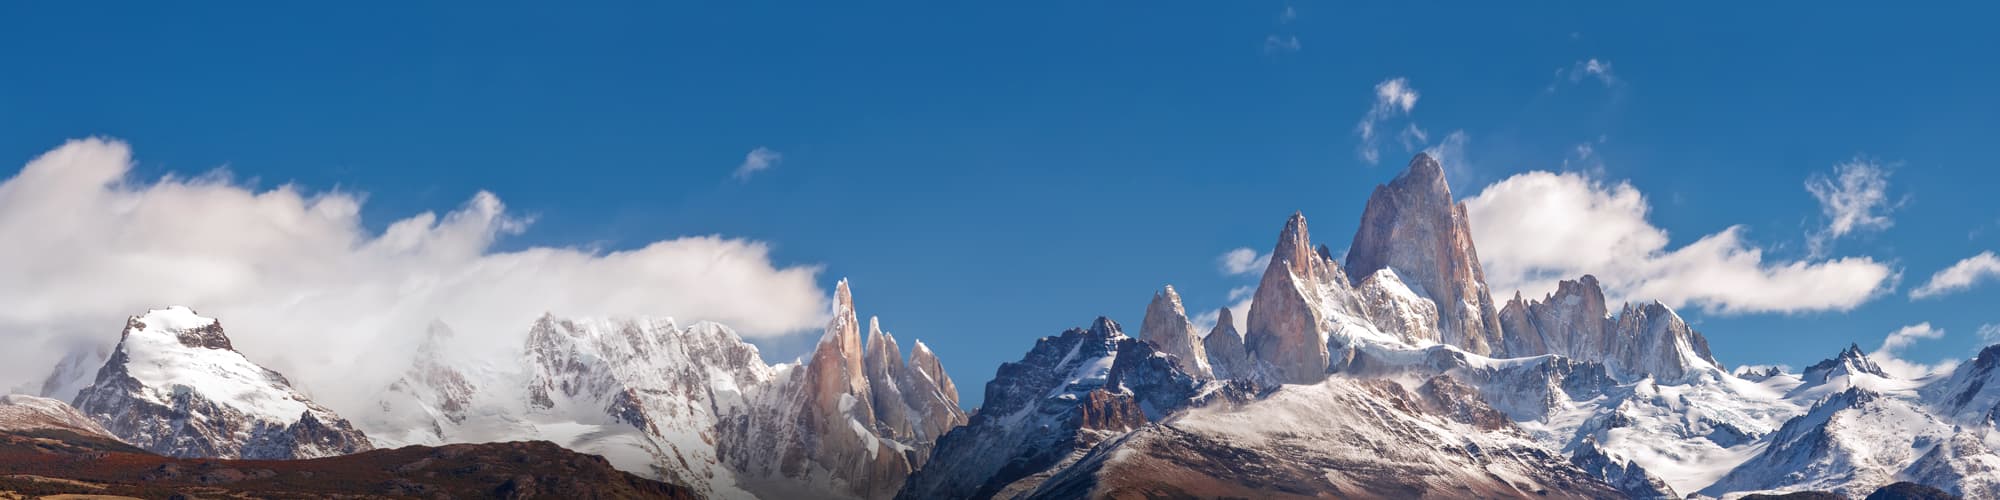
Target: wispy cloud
{"type": "Point", "coordinates": [1854, 199]}
{"type": "Point", "coordinates": [1281, 43]}
{"type": "Point", "coordinates": [1959, 277]}
{"type": "Point", "coordinates": [1394, 97]}
{"type": "Point", "coordinates": [1989, 333]}
{"type": "Point", "coordinates": [1593, 69]}
{"type": "Point", "coordinates": [1537, 228]}
{"type": "Point", "coordinates": [757, 160]}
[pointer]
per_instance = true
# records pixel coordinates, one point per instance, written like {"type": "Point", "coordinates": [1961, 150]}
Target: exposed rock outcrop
{"type": "Point", "coordinates": [1294, 307]}
{"type": "Point", "coordinates": [1412, 225]}
{"type": "Point", "coordinates": [1226, 355]}
{"type": "Point", "coordinates": [1648, 340]}
{"type": "Point", "coordinates": [1067, 394]}
{"type": "Point", "coordinates": [1166, 325]}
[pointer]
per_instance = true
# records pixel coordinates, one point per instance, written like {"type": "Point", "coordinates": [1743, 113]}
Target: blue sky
{"type": "Point", "coordinates": [989, 174]}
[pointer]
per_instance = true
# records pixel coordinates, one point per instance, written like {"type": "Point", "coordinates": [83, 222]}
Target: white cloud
{"type": "Point", "coordinates": [1593, 68]}
{"type": "Point", "coordinates": [1536, 228]}
{"type": "Point", "coordinates": [1276, 43]}
{"type": "Point", "coordinates": [1412, 136]}
{"type": "Point", "coordinates": [304, 287]}
{"type": "Point", "coordinates": [1855, 198]}
{"type": "Point", "coordinates": [1588, 69]}
{"type": "Point", "coordinates": [757, 160]}
{"type": "Point", "coordinates": [1393, 97]}
{"type": "Point", "coordinates": [1989, 333]}
{"type": "Point", "coordinates": [1960, 276]}
{"type": "Point", "coordinates": [1243, 261]}
{"type": "Point", "coordinates": [1288, 15]}
{"type": "Point", "coordinates": [1888, 356]}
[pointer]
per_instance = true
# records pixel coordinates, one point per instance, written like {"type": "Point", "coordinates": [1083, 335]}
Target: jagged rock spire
{"type": "Point", "coordinates": [1411, 225]}
{"type": "Point", "coordinates": [1227, 359]}
{"type": "Point", "coordinates": [837, 366]}
{"type": "Point", "coordinates": [886, 378]}
{"type": "Point", "coordinates": [1166, 325]}
{"type": "Point", "coordinates": [1286, 322]}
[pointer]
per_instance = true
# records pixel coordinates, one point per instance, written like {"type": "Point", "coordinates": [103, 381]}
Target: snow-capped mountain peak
{"type": "Point", "coordinates": [172, 365]}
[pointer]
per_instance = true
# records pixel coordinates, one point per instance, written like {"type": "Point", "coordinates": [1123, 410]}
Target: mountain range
{"type": "Point", "coordinates": [1389, 372]}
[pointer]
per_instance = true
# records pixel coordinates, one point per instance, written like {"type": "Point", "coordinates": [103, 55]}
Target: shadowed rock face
{"type": "Point", "coordinates": [1411, 225]}
{"type": "Point", "coordinates": [1066, 395]}
{"type": "Point", "coordinates": [1167, 326]}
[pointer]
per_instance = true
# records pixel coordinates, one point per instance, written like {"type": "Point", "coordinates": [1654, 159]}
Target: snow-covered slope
{"type": "Point", "coordinates": [1849, 443]}
{"type": "Point", "coordinates": [20, 412]}
{"type": "Point", "coordinates": [176, 387]}
{"type": "Point", "coordinates": [1341, 438]}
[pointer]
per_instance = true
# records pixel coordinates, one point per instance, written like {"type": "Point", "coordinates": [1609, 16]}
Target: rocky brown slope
{"type": "Point", "coordinates": [59, 462]}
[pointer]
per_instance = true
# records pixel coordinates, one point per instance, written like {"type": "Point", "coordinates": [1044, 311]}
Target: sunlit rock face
{"type": "Point", "coordinates": [1412, 226]}
{"type": "Point", "coordinates": [1167, 327]}
{"type": "Point", "coordinates": [1296, 302]}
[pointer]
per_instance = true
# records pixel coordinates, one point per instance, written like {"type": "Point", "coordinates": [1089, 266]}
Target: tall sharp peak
{"type": "Point", "coordinates": [843, 325]}
{"type": "Point", "coordinates": [1424, 174]}
{"type": "Point", "coordinates": [1166, 293]}
{"type": "Point", "coordinates": [1294, 242]}
{"type": "Point", "coordinates": [1225, 322]}
{"type": "Point", "coordinates": [843, 299]}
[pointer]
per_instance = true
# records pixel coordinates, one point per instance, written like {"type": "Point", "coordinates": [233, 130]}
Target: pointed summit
{"type": "Point", "coordinates": [1227, 359]}
{"type": "Point", "coordinates": [837, 370]}
{"type": "Point", "coordinates": [1166, 325]}
{"type": "Point", "coordinates": [1424, 174]}
{"type": "Point", "coordinates": [1851, 361]}
{"type": "Point", "coordinates": [1289, 314]}
{"type": "Point", "coordinates": [1411, 225]}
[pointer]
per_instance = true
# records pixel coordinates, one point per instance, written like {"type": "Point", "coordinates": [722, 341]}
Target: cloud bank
{"type": "Point", "coordinates": [1536, 228]}
{"type": "Point", "coordinates": [303, 287]}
